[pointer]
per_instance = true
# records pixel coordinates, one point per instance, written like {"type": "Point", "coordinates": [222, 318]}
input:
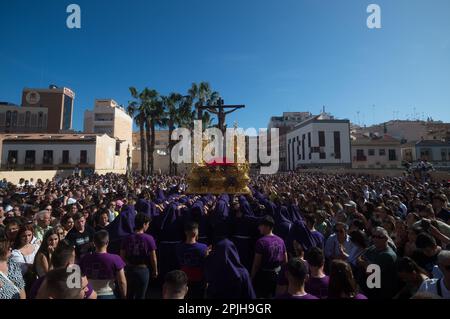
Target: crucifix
{"type": "Point", "coordinates": [219, 110]}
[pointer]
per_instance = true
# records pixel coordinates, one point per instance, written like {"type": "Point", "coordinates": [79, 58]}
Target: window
{"type": "Point", "coordinates": [309, 145]}
{"type": "Point", "coordinates": [299, 156]}
{"type": "Point", "coordinates": [392, 155]}
{"type": "Point", "coordinates": [34, 120]}
{"type": "Point", "coordinates": [12, 157]}
{"type": "Point", "coordinates": [27, 119]}
{"type": "Point", "coordinates": [425, 154]}
{"type": "Point", "coordinates": [322, 156]}
{"type": "Point", "coordinates": [83, 157]}
{"type": "Point", "coordinates": [303, 146]}
{"type": "Point", "coordinates": [67, 114]}
{"type": "Point", "coordinates": [117, 148]}
{"type": "Point", "coordinates": [30, 157]}
{"type": "Point", "coordinates": [382, 152]}
{"type": "Point", "coordinates": [48, 157]}
{"type": "Point", "coordinates": [21, 121]}
{"type": "Point", "coordinates": [14, 119]}
{"type": "Point", "coordinates": [65, 157]}
{"type": "Point", "coordinates": [360, 157]}
{"type": "Point", "coordinates": [40, 119]}
{"type": "Point", "coordinates": [321, 138]}
{"type": "Point", "coordinates": [371, 152]}
{"type": "Point", "coordinates": [8, 119]}
{"type": "Point", "coordinates": [337, 144]}
{"type": "Point", "coordinates": [443, 154]}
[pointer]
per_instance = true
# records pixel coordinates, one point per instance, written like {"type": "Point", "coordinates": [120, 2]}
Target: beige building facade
{"type": "Point", "coordinates": [410, 131]}
{"type": "Point", "coordinates": [383, 152]}
{"type": "Point", "coordinates": [108, 117]}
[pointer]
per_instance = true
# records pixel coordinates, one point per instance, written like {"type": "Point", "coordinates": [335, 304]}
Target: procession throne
{"type": "Point", "coordinates": [219, 176]}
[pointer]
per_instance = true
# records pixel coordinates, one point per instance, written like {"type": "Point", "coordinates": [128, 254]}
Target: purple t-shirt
{"type": "Point", "coordinates": [138, 248]}
{"type": "Point", "coordinates": [289, 296]}
{"type": "Point", "coordinates": [101, 266]}
{"type": "Point", "coordinates": [318, 286]}
{"type": "Point", "coordinates": [273, 251]}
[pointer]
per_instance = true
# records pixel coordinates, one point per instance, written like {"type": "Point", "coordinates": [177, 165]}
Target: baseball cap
{"type": "Point", "coordinates": [350, 204]}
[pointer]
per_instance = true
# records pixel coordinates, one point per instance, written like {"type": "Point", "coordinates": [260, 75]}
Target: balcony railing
{"type": "Point", "coordinates": [360, 158]}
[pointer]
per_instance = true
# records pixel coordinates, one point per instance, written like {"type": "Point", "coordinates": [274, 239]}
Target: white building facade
{"type": "Point", "coordinates": [62, 152]}
{"type": "Point", "coordinates": [319, 141]}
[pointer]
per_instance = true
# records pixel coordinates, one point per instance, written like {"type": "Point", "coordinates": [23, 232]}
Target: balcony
{"type": "Point", "coordinates": [360, 158]}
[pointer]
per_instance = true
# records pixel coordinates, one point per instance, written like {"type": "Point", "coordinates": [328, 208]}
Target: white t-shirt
{"type": "Point", "coordinates": [430, 286]}
{"type": "Point", "coordinates": [24, 261]}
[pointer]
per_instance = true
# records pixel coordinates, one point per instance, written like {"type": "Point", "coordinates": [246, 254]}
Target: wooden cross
{"type": "Point", "coordinates": [219, 110]}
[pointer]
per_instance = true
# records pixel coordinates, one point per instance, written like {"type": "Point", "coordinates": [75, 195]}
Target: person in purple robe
{"type": "Point", "coordinates": [282, 222]}
{"type": "Point", "coordinates": [227, 278]}
{"type": "Point", "coordinates": [294, 212]}
{"type": "Point", "coordinates": [160, 196]}
{"type": "Point", "coordinates": [300, 237]}
{"type": "Point", "coordinates": [121, 227]}
{"type": "Point", "coordinates": [171, 233]}
{"type": "Point", "coordinates": [146, 207]}
{"type": "Point", "coordinates": [244, 231]}
{"type": "Point", "coordinates": [219, 219]}
{"type": "Point", "coordinates": [198, 215]}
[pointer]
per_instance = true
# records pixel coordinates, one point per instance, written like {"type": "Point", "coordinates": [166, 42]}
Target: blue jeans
{"type": "Point", "coordinates": [137, 281]}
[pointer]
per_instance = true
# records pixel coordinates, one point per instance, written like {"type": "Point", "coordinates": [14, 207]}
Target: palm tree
{"type": "Point", "coordinates": [154, 114]}
{"type": "Point", "coordinates": [203, 95]}
{"type": "Point", "coordinates": [177, 113]}
{"type": "Point", "coordinates": [136, 110]}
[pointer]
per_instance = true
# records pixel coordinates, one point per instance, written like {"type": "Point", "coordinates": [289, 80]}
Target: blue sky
{"type": "Point", "coordinates": [272, 55]}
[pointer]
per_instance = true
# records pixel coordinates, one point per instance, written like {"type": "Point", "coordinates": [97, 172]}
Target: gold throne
{"type": "Point", "coordinates": [219, 176]}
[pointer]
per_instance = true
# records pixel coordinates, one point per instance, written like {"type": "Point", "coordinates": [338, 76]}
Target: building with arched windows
{"type": "Point", "coordinates": [22, 119]}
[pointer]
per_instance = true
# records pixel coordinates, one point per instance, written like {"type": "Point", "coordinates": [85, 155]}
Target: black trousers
{"type": "Point", "coordinates": [265, 283]}
{"type": "Point", "coordinates": [137, 281]}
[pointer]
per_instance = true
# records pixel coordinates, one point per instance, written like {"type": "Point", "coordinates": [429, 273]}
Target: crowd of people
{"type": "Point", "coordinates": [296, 236]}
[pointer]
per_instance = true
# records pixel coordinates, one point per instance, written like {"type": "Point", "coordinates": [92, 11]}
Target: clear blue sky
{"type": "Point", "coordinates": [272, 55]}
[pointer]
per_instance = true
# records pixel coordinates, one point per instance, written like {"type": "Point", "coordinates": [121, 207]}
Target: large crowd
{"type": "Point", "coordinates": [296, 236]}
